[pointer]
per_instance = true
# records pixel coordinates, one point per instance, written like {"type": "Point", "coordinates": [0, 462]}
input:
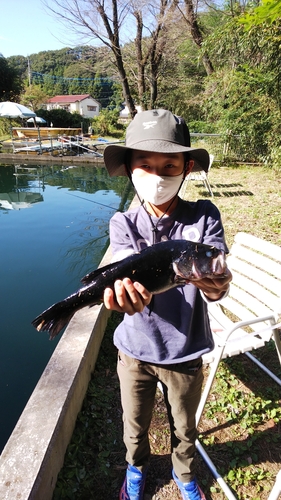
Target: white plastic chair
{"type": "Point", "coordinates": [200, 176]}
{"type": "Point", "coordinates": [276, 490]}
{"type": "Point", "coordinates": [255, 299]}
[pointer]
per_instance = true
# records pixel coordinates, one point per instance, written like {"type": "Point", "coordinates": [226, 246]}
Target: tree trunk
{"type": "Point", "coordinates": [115, 47]}
{"type": "Point", "coordinates": [157, 49]}
{"type": "Point", "coordinates": [155, 60]}
{"type": "Point", "coordinates": [196, 33]}
{"type": "Point", "coordinates": [141, 61]}
{"type": "Point", "coordinates": [124, 82]}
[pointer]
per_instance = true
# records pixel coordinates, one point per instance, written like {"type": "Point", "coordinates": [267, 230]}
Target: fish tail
{"type": "Point", "coordinates": [53, 320]}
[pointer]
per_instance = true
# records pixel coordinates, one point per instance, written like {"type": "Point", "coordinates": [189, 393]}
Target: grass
{"type": "Point", "coordinates": [240, 427]}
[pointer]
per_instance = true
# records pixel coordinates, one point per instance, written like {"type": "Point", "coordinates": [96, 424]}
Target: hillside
{"type": "Point", "coordinates": [78, 70]}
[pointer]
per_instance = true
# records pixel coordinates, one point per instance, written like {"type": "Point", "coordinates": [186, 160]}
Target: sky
{"type": "Point", "coordinates": [26, 28]}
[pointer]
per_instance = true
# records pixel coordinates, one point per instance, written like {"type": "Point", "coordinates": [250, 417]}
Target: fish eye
{"type": "Point", "coordinates": [209, 253]}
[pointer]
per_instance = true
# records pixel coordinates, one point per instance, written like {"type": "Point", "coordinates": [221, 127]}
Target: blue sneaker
{"type": "Point", "coordinates": [133, 486]}
{"type": "Point", "coordinates": [189, 491]}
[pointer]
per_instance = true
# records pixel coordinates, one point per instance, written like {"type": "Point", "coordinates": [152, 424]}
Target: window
{"type": "Point", "coordinates": [91, 108]}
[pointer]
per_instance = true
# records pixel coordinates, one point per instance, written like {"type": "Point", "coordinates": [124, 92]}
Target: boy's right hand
{"type": "Point", "coordinates": [128, 297]}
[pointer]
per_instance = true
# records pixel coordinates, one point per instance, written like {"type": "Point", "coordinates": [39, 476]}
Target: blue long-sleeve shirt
{"type": "Point", "coordinates": [175, 327]}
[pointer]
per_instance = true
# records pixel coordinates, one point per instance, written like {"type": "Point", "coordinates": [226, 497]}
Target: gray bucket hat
{"type": "Point", "coordinates": [156, 131]}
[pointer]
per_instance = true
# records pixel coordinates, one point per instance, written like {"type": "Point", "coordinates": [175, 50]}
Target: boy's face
{"type": "Point", "coordinates": [161, 164]}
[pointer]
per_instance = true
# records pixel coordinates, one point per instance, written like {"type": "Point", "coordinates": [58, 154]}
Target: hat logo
{"type": "Point", "coordinates": [148, 125]}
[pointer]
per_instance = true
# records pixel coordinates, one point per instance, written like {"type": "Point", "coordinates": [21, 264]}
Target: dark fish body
{"type": "Point", "coordinates": [159, 267]}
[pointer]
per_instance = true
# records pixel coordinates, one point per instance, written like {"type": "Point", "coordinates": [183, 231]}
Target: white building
{"type": "Point", "coordinates": [84, 104]}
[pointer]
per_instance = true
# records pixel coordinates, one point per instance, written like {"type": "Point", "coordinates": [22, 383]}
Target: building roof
{"type": "Point", "coordinates": [69, 98]}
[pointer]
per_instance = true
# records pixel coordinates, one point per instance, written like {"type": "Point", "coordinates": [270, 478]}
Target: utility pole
{"type": "Point", "coordinates": [29, 71]}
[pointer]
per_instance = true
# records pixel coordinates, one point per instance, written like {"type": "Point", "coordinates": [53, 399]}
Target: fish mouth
{"type": "Point", "coordinates": [216, 269]}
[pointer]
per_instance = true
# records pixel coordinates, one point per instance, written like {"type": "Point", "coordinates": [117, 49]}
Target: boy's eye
{"type": "Point", "coordinates": [148, 167]}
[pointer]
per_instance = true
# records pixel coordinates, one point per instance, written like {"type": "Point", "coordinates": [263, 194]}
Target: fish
{"type": "Point", "coordinates": [158, 268]}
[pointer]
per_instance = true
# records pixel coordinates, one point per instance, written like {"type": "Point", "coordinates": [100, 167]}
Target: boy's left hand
{"type": "Point", "coordinates": [127, 297]}
{"type": "Point", "coordinates": [214, 288]}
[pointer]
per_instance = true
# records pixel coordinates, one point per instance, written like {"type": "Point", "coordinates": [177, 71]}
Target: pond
{"type": "Point", "coordinates": [54, 229]}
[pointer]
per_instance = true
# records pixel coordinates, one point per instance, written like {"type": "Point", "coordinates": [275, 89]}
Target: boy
{"type": "Point", "coordinates": [161, 338]}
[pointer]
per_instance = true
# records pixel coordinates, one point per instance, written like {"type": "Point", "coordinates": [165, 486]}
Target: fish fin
{"type": "Point", "coordinates": [87, 280]}
{"type": "Point", "coordinates": [53, 320]}
{"type": "Point", "coordinates": [179, 280]}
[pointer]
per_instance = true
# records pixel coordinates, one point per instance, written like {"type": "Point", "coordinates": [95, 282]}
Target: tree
{"type": "Point", "coordinates": [10, 83]}
{"type": "Point", "coordinates": [267, 12]}
{"type": "Point", "coordinates": [190, 16]}
{"type": "Point", "coordinates": [33, 96]}
{"type": "Point", "coordinates": [95, 19]}
{"type": "Point", "coordinates": [107, 22]}
{"type": "Point", "coordinates": [106, 123]}
{"type": "Point", "coordinates": [149, 50]}
{"type": "Point", "coordinates": [243, 95]}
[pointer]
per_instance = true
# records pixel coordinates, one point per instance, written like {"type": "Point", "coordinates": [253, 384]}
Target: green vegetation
{"type": "Point", "coordinates": [66, 71]}
{"type": "Point", "coordinates": [218, 66]}
{"type": "Point", "coordinates": [106, 124]}
{"type": "Point", "coordinates": [240, 425]}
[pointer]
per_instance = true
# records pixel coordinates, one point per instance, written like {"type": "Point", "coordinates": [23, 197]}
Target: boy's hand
{"type": "Point", "coordinates": [213, 288]}
{"type": "Point", "coordinates": [128, 297]}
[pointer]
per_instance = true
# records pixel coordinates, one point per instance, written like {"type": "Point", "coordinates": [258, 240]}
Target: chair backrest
{"type": "Point", "coordinates": [254, 297]}
{"type": "Point", "coordinates": [201, 174]}
{"type": "Point", "coordinates": [256, 268]}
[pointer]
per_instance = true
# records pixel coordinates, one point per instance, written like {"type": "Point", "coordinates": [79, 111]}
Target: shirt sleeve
{"type": "Point", "coordinates": [121, 244]}
{"type": "Point", "coordinates": [209, 301]}
{"type": "Point", "coordinates": [214, 231]}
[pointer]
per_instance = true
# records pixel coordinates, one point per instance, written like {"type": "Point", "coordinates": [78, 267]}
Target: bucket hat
{"type": "Point", "coordinates": [156, 131]}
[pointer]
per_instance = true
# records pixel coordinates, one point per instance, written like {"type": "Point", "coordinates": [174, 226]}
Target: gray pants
{"type": "Point", "coordinates": [182, 385]}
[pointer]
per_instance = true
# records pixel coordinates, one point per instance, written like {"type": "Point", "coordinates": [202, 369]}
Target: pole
{"type": "Point", "coordinates": [29, 71]}
{"type": "Point", "coordinates": [39, 138]}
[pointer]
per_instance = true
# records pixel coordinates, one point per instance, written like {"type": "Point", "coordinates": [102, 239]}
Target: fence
{"type": "Point", "coordinates": [224, 147]}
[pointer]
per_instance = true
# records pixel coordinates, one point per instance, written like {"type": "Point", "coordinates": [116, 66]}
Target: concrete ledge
{"type": "Point", "coordinates": [48, 159]}
{"type": "Point", "coordinates": [34, 454]}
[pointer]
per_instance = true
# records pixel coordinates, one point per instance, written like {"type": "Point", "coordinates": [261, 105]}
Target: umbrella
{"type": "Point", "coordinates": [38, 119]}
{"type": "Point", "coordinates": [13, 110]}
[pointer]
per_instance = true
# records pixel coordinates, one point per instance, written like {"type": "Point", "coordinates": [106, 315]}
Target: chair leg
{"type": "Point", "coordinates": [277, 343]}
{"type": "Point", "coordinates": [214, 471]}
{"type": "Point", "coordinates": [208, 186]}
{"type": "Point", "coordinates": [276, 490]}
{"type": "Point", "coordinates": [184, 188]}
{"type": "Point", "coordinates": [209, 383]}
{"type": "Point", "coordinates": [263, 367]}
{"type": "Point", "coordinates": [199, 447]}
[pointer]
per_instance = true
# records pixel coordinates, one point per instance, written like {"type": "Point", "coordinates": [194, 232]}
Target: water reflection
{"type": "Point", "coordinates": [21, 196]}
{"type": "Point", "coordinates": [91, 235]}
{"type": "Point", "coordinates": [44, 252]}
{"type": "Point", "coordinates": [19, 200]}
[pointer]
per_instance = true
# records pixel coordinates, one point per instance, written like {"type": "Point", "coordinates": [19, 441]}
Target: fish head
{"type": "Point", "coordinates": [203, 261]}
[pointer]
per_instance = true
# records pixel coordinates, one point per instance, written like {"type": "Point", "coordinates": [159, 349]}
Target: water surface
{"type": "Point", "coordinates": [53, 230]}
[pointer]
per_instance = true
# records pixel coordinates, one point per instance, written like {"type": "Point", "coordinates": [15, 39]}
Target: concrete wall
{"type": "Point", "coordinates": [34, 454]}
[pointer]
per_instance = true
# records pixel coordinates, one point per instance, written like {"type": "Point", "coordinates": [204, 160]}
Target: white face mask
{"type": "Point", "coordinates": [157, 190]}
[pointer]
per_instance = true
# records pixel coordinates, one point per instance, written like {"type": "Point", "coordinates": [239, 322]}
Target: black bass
{"type": "Point", "coordinates": [159, 267]}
